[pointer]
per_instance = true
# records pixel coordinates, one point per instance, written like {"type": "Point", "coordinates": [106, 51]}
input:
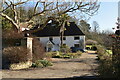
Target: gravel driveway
{"type": "Point", "coordinates": [62, 68]}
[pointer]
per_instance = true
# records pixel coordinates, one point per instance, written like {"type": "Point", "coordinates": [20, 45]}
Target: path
{"type": "Point", "coordinates": [62, 68]}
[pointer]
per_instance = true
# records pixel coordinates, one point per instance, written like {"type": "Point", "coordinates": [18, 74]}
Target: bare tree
{"type": "Point", "coordinates": [63, 20]}
{"type": "Point", "coordinates": [41, 8]}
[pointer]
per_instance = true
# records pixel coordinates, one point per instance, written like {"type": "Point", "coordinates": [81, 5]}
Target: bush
{"type": "Point", "coordinates": [94, 48]}
{"type": "Point", "coordinates": [12, 34]}
{"type": "Point", "coordinates": [102, 53]}
{"type": "Point", "coordinates": [105, 69]}
{"type": "Point", "coordinates": [38, 50]}
{"type": "Point", "coordinates": [106, 66]}
{"type": "Point", "coordinates": [42, 63]}
{"type": "Point", "coordinates": [79, 53]}
{"type": "Point", "coordinates": [109, 68]}
{"type": "Point", "coordinates": [63, 55]}
{"type": "Point", "coordinates": [16, 54]}
{"type": "Point", "coordinates": [37, 64]}
{"type": "Point", "coordinates": [45, 63]}
{"type": "Point", "coordinates": [65, 49]}
{"type": "Point", "coordinates": [75, 55]}
{"type": "Point", "coordinates": [51, 54]}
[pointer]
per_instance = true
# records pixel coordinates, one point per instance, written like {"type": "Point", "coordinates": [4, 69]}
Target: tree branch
{"type": "Point", "coordinates": [41, 27]}
{"type": "Point", "coordinates": [36, 6]}
{"type": "Point", "coordinates": [21, 2]}
{"type": "Point", "coordinates": [11, 20]}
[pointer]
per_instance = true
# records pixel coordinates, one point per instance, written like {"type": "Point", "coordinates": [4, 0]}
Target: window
{"type": "Point", "coordinates": [64, 38]}
{"type": "Point", "coordinates": [17, 44]}
{"type": "Point", "coordinates": [50, 38]}
{"type": "Point", "coordinates": [76, 38]}
{"type": "Point", "coordinates": [76, 45]}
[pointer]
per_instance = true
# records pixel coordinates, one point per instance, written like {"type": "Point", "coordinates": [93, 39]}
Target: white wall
{"type": "Point", "coordinates": [44, 40]}
{"type": "Point", "coordinates": [56, 40]}
{"type": "Point", "coordinates": [69, 41]}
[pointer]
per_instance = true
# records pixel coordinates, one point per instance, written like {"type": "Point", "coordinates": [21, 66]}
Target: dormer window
{"type": "Point", "coordinates": [76, 38]}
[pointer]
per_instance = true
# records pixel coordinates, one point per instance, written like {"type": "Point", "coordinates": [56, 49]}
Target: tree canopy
{"type": "Point", "coordinates": [25, 11]}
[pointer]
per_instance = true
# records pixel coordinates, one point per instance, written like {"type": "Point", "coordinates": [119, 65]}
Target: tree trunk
{"type": "Point", "coordinates": [62, 32]}
{"type": "Point", "coordinates": [11, 20]}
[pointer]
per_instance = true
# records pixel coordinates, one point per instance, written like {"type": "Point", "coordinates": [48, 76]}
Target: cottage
{"type": "Point", "coordinates": [50, 36]}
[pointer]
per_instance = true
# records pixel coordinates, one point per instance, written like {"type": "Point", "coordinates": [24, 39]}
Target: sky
{"type": "Point", "coordinates": [107, 15]}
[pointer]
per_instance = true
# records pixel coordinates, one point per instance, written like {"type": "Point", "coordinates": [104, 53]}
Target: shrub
{"type": "Point", "coordinates": [42, 63]}
{"type": "Point", "coordinates": [37, 64]}
{"type": "Point", "coordinates": [105, 69]}
{"type": "Point", "coordinates": [106, 66]}
{"type": "Point", "coordinates": [109, 68]}
{"type": "Point", "coordinates": [101, 52]}
{"type": "Point", "coordinates": [52, 54]}
{"type": "Point", "coordinates": [45, 63]}
{"type": "Point", "coordinates": [79, 53]}
{"type": "Point", "coordinates": [63, 55]}
{"type": "Point", "coordinates": [94, 48]}
{"type": "Point", "coordinates": [75, 55]}
{"type": "Point", "coordinates": [38, 50]}
{"type": "Point", "coordinates": [12, 34]}
{"type": "Point", "coordinates": [65, 49]}
{"type": "Point", "coordinates": [16, 54]}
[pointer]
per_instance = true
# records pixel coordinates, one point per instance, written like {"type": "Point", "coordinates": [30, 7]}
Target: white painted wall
{"type": "Point", "coordinates": [44, 40]}
{"type": "Point", "coordinates": [56, 40]}
{"type": "Point", "coordinates": [69, 41]}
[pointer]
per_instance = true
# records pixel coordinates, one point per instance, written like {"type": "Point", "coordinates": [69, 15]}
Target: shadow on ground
{"type": "Point", "coordinates": [70, 78]}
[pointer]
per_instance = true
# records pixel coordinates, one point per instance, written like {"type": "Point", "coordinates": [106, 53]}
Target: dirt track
{"type": "Point", "coordinates": [62, 68]}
